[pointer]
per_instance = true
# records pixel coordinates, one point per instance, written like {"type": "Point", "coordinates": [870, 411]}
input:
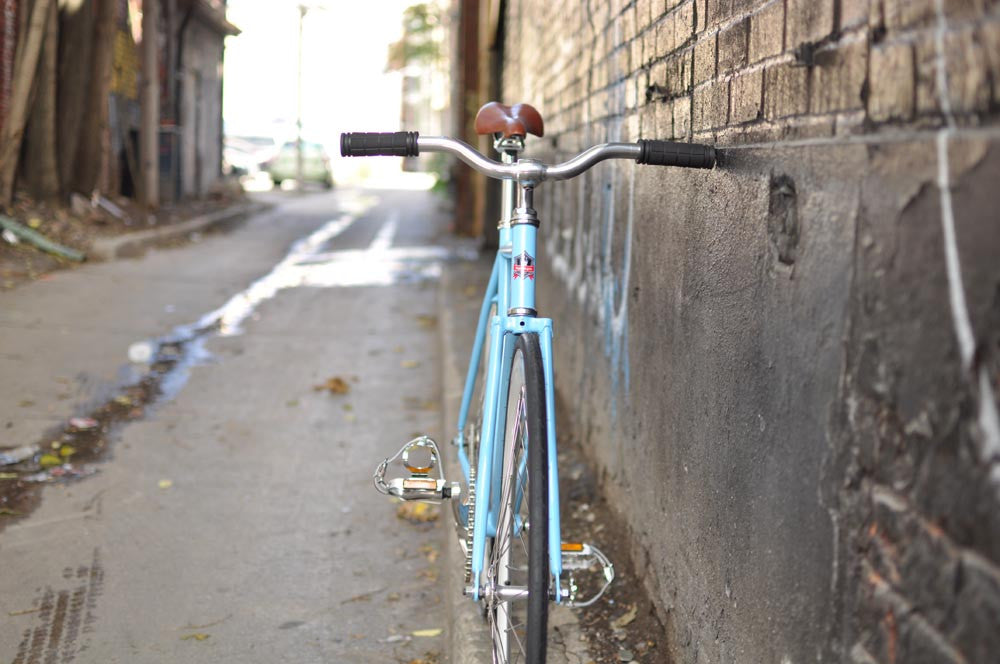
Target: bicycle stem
{"type": "Point", "coordinates": [529, 172]}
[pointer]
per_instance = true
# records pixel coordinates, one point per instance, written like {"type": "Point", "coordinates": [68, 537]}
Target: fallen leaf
{"type": "Point", "coordinates": [25, 403]}
{"type": "Point", "coordinates": [417, 512]}
{"type": "Point", "coordinates": [49, 461]}
{"type": "Point", "coordinates": [165, 484]}
{"type": "Point", "coordinates": [9, 476]}
{"type": "Point", "coordinates": [427, 322]}
{"type": "Point", "coordinates": [427, 632]}
{"type": "Point", "coordinates": [67, 451]}
{"type": "Point", "coordinates": [625, 619]}
{"type": "Point", "coordinates": [123, 400]}
{"type": "Point", "coordinates": [5, 511]}
{"type": "Point", "coordinates": [292, 403]}
{"type": "Point", "coordinates": [409, 364]}
{"type": "Point", "coordinates": [197, 636]}
{"type": "Point", "coordinates": [34, 222]}
{"type": "Point", "coordinates": [335, 385]}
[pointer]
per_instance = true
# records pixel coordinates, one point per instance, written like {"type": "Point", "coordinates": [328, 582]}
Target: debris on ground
{"type": "Point", "coordinates": [65, 471]}
{"type": "Point", "coordinates": [428, 632]}
{"type": "Point", "coordinates": [334, 385]}
{"type": "Point", "coordinates": [141, 352]}
{"type": "Point", "coordinates": [165, 484]}
{"type": "Point", "coordinates": [417, 512]}
{"type": "Point", "coordinates": [30, 235]}
{"type": "Point", "coordinates": [625, 619]}
{"type": "Point", "coordinates": [18, 454]}
{"type": "Point", "coordinates": [427, 322]}
{"type": "Point", "coordinates": [197, 636]}
{"type": "Point", "coordinates": [83, 423]}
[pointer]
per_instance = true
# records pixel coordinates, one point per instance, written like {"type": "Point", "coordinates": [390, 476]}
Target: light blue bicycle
{"type": "Point", "coordinates": [507, 506]}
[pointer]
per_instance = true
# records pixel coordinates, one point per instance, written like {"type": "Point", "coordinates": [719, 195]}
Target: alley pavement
{"type": "Point", "coordinates": [235, 520]}
{"type": "Point", "coordinates": [232, 517]}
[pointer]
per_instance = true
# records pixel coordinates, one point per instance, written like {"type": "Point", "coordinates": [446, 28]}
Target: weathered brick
{"type": "Point", "coordinates": [854, 13]}
{"type": "Point", "coordinates": [682, 117]}
{"type": "Point", "coordinates": [968, 77]}
{"type": "Point", "coordinates": [704, 60]}
{"type": "Point", "coordinates": [989, 36]}
{"type": "Point", "coordinates": [891, 90]}
{"type": "Point", "coordinates": [733, 47]}
{"type": "Point", "coordinates": [684, 25]}
{"type": "Point", "coordinates": [786, 90]}
{"type": "Point", "coordinates": [675, 29]}
{"type": "Point", "coordinates": [900, 14]}
{"type": "Point", "coordinates": [701, 14]}
{"type": "Point", "coordinates": [745, 96]}
{"type": "Point", "coordinates": [807, 21]}
{"type": "Point", "coordinates": [767, 31]}
{"type": "Point", "coordinates": [720, 11]}
{"type": "Point", "coordinates": [678, 72]}
{"type": "Point", "coordinates": [839, 78]}
{"type": "Point", "coordinates": [977, 610]}
{"type": "Point", "coordinates": [643, 14]}
{"type": "Point", "coordinates": [711, 105]}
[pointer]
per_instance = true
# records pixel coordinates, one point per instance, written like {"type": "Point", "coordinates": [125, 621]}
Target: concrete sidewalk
{"type": "Point", "coordinates": [460, 296]}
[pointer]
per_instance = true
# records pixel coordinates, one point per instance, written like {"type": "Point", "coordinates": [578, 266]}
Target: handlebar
{"type": "Point", "coordinates": [528, 171]}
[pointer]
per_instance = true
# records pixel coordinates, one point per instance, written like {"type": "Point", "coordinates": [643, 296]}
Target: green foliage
{"type": "Point", "coordinates": [417, 45]}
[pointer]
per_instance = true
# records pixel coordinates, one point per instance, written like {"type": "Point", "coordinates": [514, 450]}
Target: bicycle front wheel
{"type": "Point", "coordinates": [517, 576]}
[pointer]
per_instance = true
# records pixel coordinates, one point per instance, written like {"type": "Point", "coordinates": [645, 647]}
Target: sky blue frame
{"type": "Point", "coordinates": [506, 293]}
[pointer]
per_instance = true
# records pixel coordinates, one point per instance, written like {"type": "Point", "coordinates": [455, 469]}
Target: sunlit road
{"type": "Point", "coordinates": [236, 520]}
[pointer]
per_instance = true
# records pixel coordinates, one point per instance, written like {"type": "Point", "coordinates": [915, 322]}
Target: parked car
{"type": "Point", "coordinates": [315, 164]}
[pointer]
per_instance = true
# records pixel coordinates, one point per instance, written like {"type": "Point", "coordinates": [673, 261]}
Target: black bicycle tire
{"type": "Point", "coordinates": [528, 349]}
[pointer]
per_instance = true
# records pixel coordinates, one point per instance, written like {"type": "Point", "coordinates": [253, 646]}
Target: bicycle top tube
{"type": "Point", "coordinates": [527, 172]}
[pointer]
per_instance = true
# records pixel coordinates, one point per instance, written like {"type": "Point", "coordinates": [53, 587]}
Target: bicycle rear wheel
{"type": "Point", "coordinates": [517, 574]}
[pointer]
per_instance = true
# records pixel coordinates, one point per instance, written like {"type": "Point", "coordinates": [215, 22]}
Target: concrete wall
{"type": "Point", "coordinates": [791, 362]}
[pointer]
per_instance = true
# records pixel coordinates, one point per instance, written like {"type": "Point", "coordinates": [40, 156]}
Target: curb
{"type": "Point", "coordinates": [134, 244]}
{"type": "Point", "coordinates": [469, 636]}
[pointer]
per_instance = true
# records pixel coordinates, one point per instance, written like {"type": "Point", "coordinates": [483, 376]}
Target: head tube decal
{"type": "Point", "coordinates": [524, 266]}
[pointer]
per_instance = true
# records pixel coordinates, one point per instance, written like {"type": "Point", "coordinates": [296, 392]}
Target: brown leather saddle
{"type": "Point", "coordinates": [516, 120]}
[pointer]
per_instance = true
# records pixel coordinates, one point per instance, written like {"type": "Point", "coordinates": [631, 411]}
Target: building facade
{"type": "Point", "coordinates": [787, 367]}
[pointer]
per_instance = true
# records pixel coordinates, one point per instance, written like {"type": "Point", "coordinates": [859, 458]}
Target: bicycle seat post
{"type": "Point", "coordinates": [509, 149]}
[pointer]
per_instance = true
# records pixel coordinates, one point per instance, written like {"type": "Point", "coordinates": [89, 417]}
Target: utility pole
{"type": "Point", "coordinates": [149, 126]}
{"type": "Point", "coordinates": [298, 114]}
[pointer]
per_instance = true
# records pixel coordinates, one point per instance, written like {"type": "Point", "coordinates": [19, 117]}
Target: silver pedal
{"type": "Point", "coordinates": [584, 559]}
{"type": "Point", "coordinates": [419, 485]}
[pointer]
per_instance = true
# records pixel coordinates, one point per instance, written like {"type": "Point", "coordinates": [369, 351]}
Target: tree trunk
{"type": "Point", "coordinates": [25, 66]}
{"type": "Point", "coordinates": [40, 170]}
{"type": "Point", "coordinates": [76, 36]}
{"type": "Point", "coordinates": [90, 152]}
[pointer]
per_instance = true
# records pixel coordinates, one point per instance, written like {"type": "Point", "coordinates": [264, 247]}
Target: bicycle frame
{"type": "Point", "coordinates": [512, 289]}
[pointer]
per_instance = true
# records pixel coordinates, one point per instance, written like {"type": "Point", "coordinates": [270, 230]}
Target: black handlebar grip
{"type": "Point", "coordinates": [396, 144]}
{"type": "Point", "coordinates": [669, 153]}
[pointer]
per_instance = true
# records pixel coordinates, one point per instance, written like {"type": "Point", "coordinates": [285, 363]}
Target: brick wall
{"type": "Point", "coordinates": [789, 365]}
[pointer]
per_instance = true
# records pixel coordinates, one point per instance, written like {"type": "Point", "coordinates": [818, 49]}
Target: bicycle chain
{"type": "Point", "coordinates": [469, 524]}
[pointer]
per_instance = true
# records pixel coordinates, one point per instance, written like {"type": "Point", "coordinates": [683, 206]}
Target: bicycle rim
{"type": "Point", "coordinates": [518, 558]}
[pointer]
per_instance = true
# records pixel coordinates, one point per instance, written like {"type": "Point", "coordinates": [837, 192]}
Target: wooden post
{"type": "Point", "coordinates": [24, 74]}
{"type": "Point", "coordinates": [149, 127]}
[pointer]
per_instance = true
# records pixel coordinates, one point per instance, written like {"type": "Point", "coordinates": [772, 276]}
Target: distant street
{"type": "Point", "coordinates": [233, 519]}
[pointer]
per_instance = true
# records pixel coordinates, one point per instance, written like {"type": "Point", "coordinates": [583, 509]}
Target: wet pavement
{"type": "Point", "coordinates": [231, 516]}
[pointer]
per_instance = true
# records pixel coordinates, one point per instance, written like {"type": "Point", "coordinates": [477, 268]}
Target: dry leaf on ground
{"type": "Point", "coordinates": [334, 385]}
